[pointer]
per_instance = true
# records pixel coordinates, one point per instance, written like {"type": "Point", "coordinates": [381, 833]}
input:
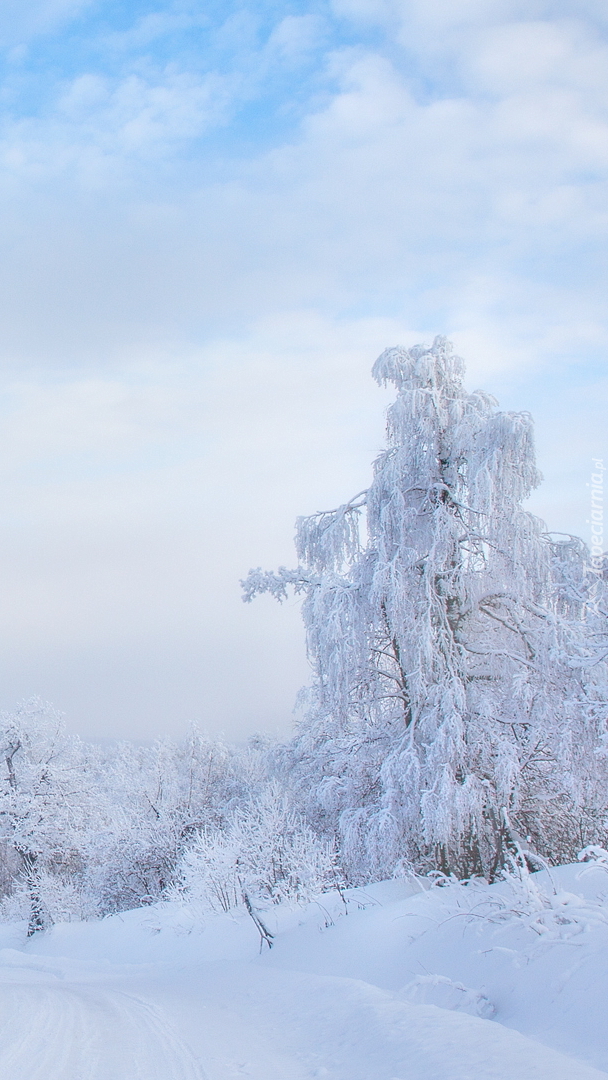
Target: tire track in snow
{"type": "Point", "coordinates": [86, 1033]}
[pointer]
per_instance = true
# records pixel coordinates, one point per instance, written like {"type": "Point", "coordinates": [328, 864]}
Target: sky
{"type": "Point", "coordinates": [213, 218]}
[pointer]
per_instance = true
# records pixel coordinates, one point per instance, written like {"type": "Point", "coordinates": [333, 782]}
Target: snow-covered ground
{"type": "Point", "coordinates": [399, 983]}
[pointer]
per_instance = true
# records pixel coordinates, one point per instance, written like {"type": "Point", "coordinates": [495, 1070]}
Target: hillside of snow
{"type": "Point", "coordinates": [397, 981]}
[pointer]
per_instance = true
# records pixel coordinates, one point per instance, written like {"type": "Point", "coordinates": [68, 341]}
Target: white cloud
{"type": "Point", "coordinates": [155, 25]}
{"type": "Point", "coordinates": [102, 129]}
{"type": "Point", "coordinates": [433, 18]}
{"type": "Point", "coordinates": [527, 56]}
{"type": "Point", "coordinates": [20, 21]}
{"type": "Point", "coordinates": [193, 327]}
{"type": "Point", "coordinates": [296, 36]}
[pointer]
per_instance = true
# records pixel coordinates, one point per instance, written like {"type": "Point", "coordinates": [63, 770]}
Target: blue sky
{"type": "Point", "coordinates": [213, 218]}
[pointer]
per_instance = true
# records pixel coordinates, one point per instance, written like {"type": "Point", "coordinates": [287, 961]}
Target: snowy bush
{"type": "Point", "coordinates": [266, 854]}
{"type": "Point", "coordinates": [530, 901]}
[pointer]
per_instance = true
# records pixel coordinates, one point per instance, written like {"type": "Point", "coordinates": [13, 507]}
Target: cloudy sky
{"type": "Point", "coordinates": [214, 216]}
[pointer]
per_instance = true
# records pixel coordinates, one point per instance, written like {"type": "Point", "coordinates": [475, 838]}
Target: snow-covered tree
{"type": "Point", "coordinates": [46, 813]}
{"type": "Point", "coordinates": [456, 690]}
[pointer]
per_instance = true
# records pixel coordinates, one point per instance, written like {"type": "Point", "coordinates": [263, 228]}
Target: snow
{"type": "Point", "coordinates": [396, 981]}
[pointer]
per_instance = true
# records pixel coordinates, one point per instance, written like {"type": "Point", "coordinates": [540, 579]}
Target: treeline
{"type": "Point", "coordinates": [88, 831]}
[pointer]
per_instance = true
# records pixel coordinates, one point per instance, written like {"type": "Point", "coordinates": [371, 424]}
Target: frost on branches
{"type": "Point", "coordinates": [43, 813]}
{"type": "Point", "coordinates": [459, 698]}
{"type": "Point", "coordinates": [86, 831]}
{"type": "Point", "coordinates": [266, 854]}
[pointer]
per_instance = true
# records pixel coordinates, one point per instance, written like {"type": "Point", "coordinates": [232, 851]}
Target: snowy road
{"type": "Point", "coordinates": [245, 1021]}
{"type": "Point", "coordinates": [157, 994]}
{"type": "Point", "coordinates": [51, 1032]}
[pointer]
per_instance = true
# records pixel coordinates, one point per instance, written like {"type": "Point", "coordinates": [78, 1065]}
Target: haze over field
{"type": "Point", "coordinates": [214, 218]}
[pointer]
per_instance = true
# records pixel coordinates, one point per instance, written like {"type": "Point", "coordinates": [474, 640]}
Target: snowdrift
{"type": "Point", "coordinates": [397, 981]}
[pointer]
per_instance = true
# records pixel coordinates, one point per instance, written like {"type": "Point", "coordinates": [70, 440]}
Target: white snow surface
{"type": "Point", "coordinates": [400, 982]}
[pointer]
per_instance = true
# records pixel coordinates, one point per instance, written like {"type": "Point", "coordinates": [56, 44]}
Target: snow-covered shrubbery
{"type": "Point", "coordinates": [532, 904]}
{"type": "Point", "coordinates": [86, 831]}
{"type": "Point", "coordinates": [265, 855]}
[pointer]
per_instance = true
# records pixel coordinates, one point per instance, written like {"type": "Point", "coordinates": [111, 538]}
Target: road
{"type": "Point", "coordinates": [243, 1021]}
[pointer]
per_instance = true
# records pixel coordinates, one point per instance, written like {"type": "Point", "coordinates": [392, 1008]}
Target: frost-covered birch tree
{"type": "Point", "coordinates": [457, 701]}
